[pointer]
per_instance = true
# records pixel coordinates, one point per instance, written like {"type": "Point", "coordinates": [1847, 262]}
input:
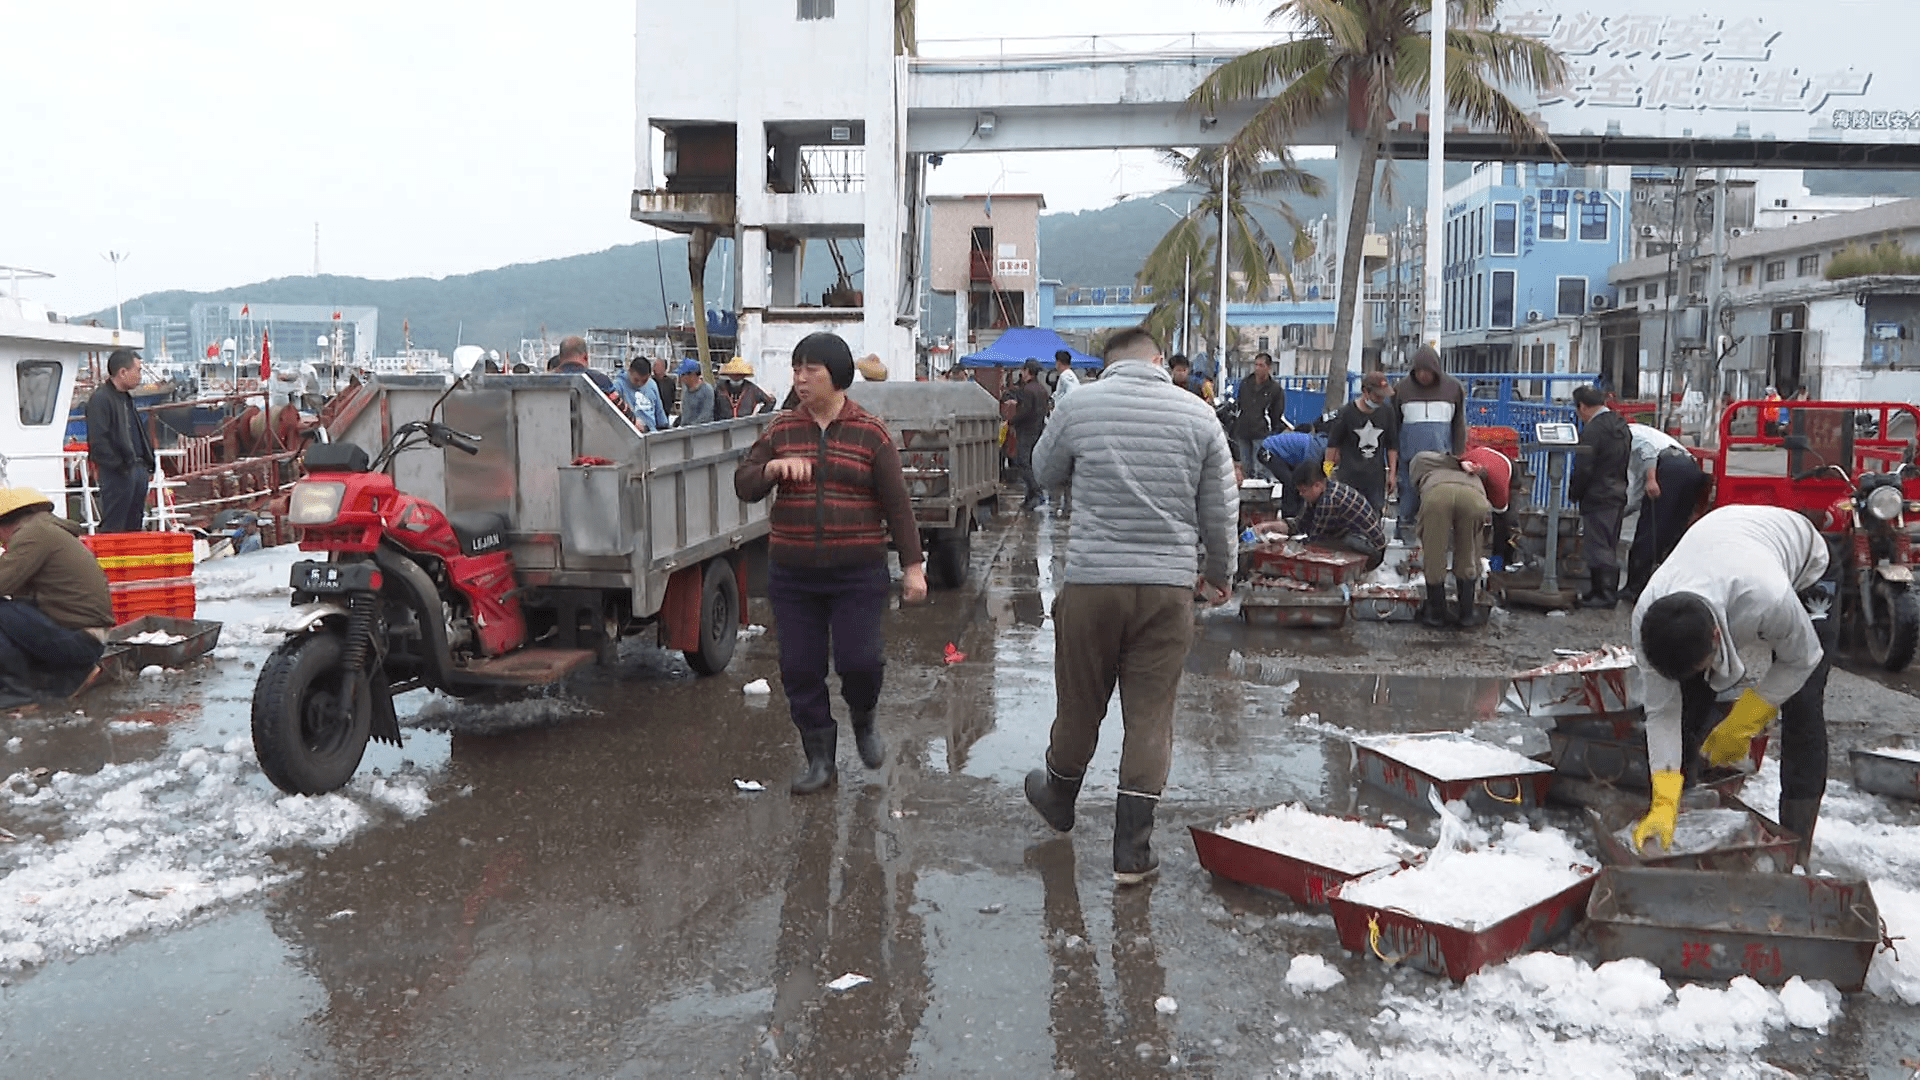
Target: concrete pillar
{"type": "Point", "coordinates": [787, 267]}
{"type": "Point", "coordinates": [1348, 156]}
{"type": "Point", "coordinates": [960, 347]}
{"type": "Point", "coordinates": [750, 273]}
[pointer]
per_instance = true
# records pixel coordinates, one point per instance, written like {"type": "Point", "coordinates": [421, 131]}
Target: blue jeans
{"type": "Point", "coordinates": [829, 612]}
{"type": "Point", "coordinates": [33, 644]}
{"type": "Point", "coordinates": [1250, 462]}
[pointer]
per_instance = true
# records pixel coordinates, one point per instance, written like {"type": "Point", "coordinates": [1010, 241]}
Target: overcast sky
{"type": "Point", "coordinates": [206, 138]}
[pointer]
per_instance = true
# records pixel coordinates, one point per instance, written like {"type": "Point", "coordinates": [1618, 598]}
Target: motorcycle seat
{"type": "Point", "coordinates": [481, 532]}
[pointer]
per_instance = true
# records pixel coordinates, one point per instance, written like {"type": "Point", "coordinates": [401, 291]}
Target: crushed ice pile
{"type": "Point", "coordinates": [1350, 847]}
{"type": "Point", "coordinates": [156, 637]}
{"type": "Point", "coordinates": [1697, 831]}
{"type": "Point", "coordinates": [1309, 974]}
{"type": "Point", "coordinates": [151, 844]}
{"type": "Point", "coordinates": [1477, 889]}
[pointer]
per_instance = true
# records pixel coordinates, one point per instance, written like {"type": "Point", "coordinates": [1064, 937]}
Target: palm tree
{"type": "Point", "coordinates": [1362, 53]}
{"type": "Point", "coordinates": [1187, 257]}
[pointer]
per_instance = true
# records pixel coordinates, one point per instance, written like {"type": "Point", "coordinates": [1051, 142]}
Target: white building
{"type": "Point", "coordinates": [796, 136]}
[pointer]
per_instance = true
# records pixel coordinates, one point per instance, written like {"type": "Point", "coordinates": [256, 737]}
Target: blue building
{"type": "Point", "coordinates": [1526, 254]}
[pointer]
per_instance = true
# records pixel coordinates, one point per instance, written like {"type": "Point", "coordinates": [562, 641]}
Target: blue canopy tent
{"type": "Point", "coordinates": [1020, 343]}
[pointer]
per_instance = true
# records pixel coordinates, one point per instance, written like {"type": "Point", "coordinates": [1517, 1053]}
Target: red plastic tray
{"type": "Point", "coordinates": [1322, 567]}
{"type": "Point", "coordinates": [1485, 794]}
{"type": "Point", "coordinates": [1397, 937]}
{"type": "Point", "coordinates": [1300, 881]}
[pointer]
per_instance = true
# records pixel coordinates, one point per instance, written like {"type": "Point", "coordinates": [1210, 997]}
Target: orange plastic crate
{"type": "Point", "coordinates": [173, 597]}
{"type": "Point", "coordinates": [122, 545]}
{"type": "Point", "coordinates": [1504, 439]}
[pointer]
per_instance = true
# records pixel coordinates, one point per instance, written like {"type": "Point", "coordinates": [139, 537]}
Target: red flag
{"type": "Point", "coordinates": [244, 309]}
{"type": "Point", "coordinates": [213, 352]}
{"type": "Point", "coordinates": [266, 358]}
{"type": "Point", "coordinates": [336, 316]}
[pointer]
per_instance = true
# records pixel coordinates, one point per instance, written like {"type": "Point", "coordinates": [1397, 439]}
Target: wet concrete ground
{"type": "Point", "coordinates": [592, 896]}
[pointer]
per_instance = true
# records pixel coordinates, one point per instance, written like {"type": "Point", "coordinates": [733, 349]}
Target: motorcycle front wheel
{"type": "Point", "coordinates": [305, 745]}
{"type": "Point", "coordinates": [1895, 630]}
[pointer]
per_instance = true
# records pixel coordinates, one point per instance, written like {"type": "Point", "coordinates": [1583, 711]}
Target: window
{"type": "Point", "coordinates": [1653, 290]}
{"type": "Point", "coordinates": [1633, 293]}
{"type": "Point", "coordinates": [1506, 228]}
{"type": "Point", "coordinates": [1697, 284]}
{"type": "Point", "coordinates": [1509, 174]}
{"type": "Point", "coordinates": [1262, 347]}
{"type": "Point", "coordinates": [816, 9]}
{"type": "Point", "coordinates": [1502, 295]}
{"type": "Point", "coordinates": [1593, 217]}
{"type": "Point", "coordinates": [1808, 266]}
{"type": "Point", "coordinates": [1746, 274]}
{"type": "Point", "coordinates": [1479, 293]}
{"type": "Point", "coordinates": [39, 382]}
{"type": "Point", "coordinates": [1553, 216]}
{"type": "Point", "coordinates": [1777, 270]}
{"type": "Point", "coordinates": [1479, 232]}
{"type": "Point", "coordinates": [1573, 296]}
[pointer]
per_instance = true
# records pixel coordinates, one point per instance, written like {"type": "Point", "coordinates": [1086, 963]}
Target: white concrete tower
{"type": "Point", "coordinates": [776, 122]}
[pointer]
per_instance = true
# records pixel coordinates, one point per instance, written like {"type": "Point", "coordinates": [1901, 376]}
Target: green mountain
{"type": "Point", "coordinates": [621, 286]}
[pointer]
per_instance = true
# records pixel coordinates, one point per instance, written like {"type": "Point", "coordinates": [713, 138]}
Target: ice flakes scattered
{"type": "Point", "coordinates": [152, 671]}
{"type": "Point", "coordinates": [752, 630]}
{"type": "Point", "coordinates": [1350, 847]}
{"type": "Point", "coordinates": [1308, 974]}
{"type": "Point", "coordinates": [757, 687]}
{"type": "Point", "coordinates": [152, 844]}
{"type": "Point", "coordinates": [748, 785]}
{"type": "Point", "coordinates": [1809, 1005]}
{"type": "Point", "coordinates": [848, 981]}
{"type": "Point", "coordinates": [1165, 1005]}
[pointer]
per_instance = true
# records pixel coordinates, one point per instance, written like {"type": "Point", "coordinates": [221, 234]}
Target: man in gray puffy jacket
{"type": "Point", "coordinates": [1153, 492]}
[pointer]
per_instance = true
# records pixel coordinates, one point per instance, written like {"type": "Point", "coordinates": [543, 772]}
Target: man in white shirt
{"type": "Point", "coordinates": [1063, 377]}
{"type": "Point", "coordinates": [1664, 482]}
{"type": "Point", "coordinates": [1745, 583]}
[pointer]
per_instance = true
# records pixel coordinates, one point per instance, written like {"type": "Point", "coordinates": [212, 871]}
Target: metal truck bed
{"type": "Point", "coordinates": [948, 435]}
{"type": "Point", "coordinates": [665, 503]}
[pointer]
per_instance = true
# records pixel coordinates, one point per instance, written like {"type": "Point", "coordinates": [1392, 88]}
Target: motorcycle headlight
{"type": "Point", "coordinates": [315, 502]}
{"type": "Point", "coordinates": [1885, 502]}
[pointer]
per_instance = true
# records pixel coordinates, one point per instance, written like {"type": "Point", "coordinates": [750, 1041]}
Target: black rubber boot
{"type": "Point", "coordinates": [1466, 613]}
{"type": "Point", "coordinates": [1638, 571]}
{"type": "Point", "coordinates": [1053, 795]}
{"type": "Point", "coordinates": [1433, 607]}
{"type": "Point", "coordinates": [873, 750]}
{"type": "Point", "coordinates": [1799, 816]}
{"type": "Point", "coordinates": [1606, 588]}
{"type": "Point", "coordinates": [820, 745]}
{"type": "Point", "coordinates": [1133, 857]}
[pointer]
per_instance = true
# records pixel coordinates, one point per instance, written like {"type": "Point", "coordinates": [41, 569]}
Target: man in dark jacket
{"type": "Point", "coordinates": [1433, 416]}
{"type": "Point", "coordinates": [57, 607]}
{"type": "Point", "coordinates": [1262, 403]}
{"type": "Point", "coordinates": [1599, 485]}
{"type": "Point", "coordinates": [1032, 403]}
{"type": "Point", "coordinates": [118, 446]}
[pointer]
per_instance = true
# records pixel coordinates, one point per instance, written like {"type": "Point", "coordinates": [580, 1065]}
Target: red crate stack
{"type": "Point", "coordinates": [147, 573]}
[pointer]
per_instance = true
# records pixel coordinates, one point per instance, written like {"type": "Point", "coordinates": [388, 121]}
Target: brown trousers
{"type": "Point", "coordinates": [1133, 635]}
{"type": "Point", "coordinates": [1452, 516]}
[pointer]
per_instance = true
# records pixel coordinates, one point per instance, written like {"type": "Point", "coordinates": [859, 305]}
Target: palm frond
{"type": "Point", "coordinates": [1255, 73]}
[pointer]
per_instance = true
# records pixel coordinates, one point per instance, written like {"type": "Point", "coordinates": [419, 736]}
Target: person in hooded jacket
{"type": "Point", "coordinates": [738, 395]}
{"type": "Point", "coordinates": [1433, 416]}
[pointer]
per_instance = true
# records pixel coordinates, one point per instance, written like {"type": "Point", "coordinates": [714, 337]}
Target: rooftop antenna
{"type": "Point", "coordinates": [316, 249]}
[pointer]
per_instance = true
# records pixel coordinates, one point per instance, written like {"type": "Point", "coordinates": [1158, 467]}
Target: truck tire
{"type": "Point", "coordinates": [303, 744]}
{"type": "Point", "coordinates": [1895, 632]}
{"type": "Point", "coordinates": [948, 557]}
{"type": "Point", "coordinates": [719, 619]}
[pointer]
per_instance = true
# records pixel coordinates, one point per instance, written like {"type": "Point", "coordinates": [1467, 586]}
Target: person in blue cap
{"type": "Point", "coordinates": [696, 395]}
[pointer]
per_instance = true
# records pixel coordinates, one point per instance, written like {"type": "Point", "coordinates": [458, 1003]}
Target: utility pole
{"type": "Point", "coordinates": [316, 249]}
{"type": "Point", "coordinates": [1220, 320]}
{"type": "Point", "coordinates": [116, 258]}
{"type": "Point", "coordinates": [1436, 170]}
{"type": "Point", "coordinates": [1716, 280]}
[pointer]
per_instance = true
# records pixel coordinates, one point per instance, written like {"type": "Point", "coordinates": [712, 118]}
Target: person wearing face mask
{"type": "Point", "coordinates": [739, 395]}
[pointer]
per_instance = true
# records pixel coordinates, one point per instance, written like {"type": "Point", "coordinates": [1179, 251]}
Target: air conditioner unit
{"type": "Point", "coordinates": [1649, 231]}
{"type": "Point", "coordinates": [1600, 303]}
{"type": "Point", "coordinates": [1534, 316]}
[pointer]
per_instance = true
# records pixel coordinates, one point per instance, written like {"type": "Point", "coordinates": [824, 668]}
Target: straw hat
{"type": "Point", "coordinates": [13, 500]}
{"type": "Point", "coordinates": [871, 368]}
{"type": "Point", "coordinates": [737, 366]}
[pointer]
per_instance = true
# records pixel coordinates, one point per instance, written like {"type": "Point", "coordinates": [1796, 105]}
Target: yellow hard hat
{"type": "Point", "coordinates": [12, 499]}
{"type": "Point", "coordinates": [737, 366]}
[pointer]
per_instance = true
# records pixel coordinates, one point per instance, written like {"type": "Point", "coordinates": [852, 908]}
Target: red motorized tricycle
{"type": "Point", "coordinates": [1850, 467]}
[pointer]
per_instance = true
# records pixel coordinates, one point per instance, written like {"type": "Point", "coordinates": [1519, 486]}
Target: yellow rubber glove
{"type": "Point", "coordinates": [1727, 743]}
{"type": "Point", "coordinates": [1661, 813]}
{"type": "Point", "coordinates": [1326, 469]}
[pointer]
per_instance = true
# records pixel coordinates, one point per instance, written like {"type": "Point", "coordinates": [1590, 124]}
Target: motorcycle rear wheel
{"type": "Point", "coordinates": [1894, 633]}
{"type": "Point", "coordinates": [304, 745]}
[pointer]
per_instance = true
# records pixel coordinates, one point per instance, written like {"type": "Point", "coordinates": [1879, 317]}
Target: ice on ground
{"type": "Point", "coordinates": [1543, 1014]}
{"type": "Point", "coordinates": [441, 712]}
{"type": "Point", "coordinates": [1697, 831]}
{"type": "Point", "coordinates": [152, 844]}
{"type": "Point", "coordinates": [752, 630]}
{"type": "Point", "coordinates": [1904, 753]}
{"type": "Point", "coordinates": [1474, 890]}
{"type": "Point", "coordinates": [257, 573]}
{"type": "Point", "coordinates": [1859, 838]}
{"type": "Point", "coordinates": [1891, 977]}
{"type": "Point", "coordinates": [1350, 847]}
{"type": "Point", "coordinates": [1809, 1005]}
{"type": "Point", "coordinates": [1308, 974]}
{"type": "Point", "coordinates": [757, 686]}
{"type": "Point", "coordinates": [1449, 755]}
{"type": "Point", "coordinates": [1165, 1005]}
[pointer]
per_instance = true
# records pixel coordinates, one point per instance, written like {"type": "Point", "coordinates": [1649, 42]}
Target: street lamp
{"type": "Point", "coordinates": [1186, 278]}
{"type": "Point", "coordinates": [116, 258]}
